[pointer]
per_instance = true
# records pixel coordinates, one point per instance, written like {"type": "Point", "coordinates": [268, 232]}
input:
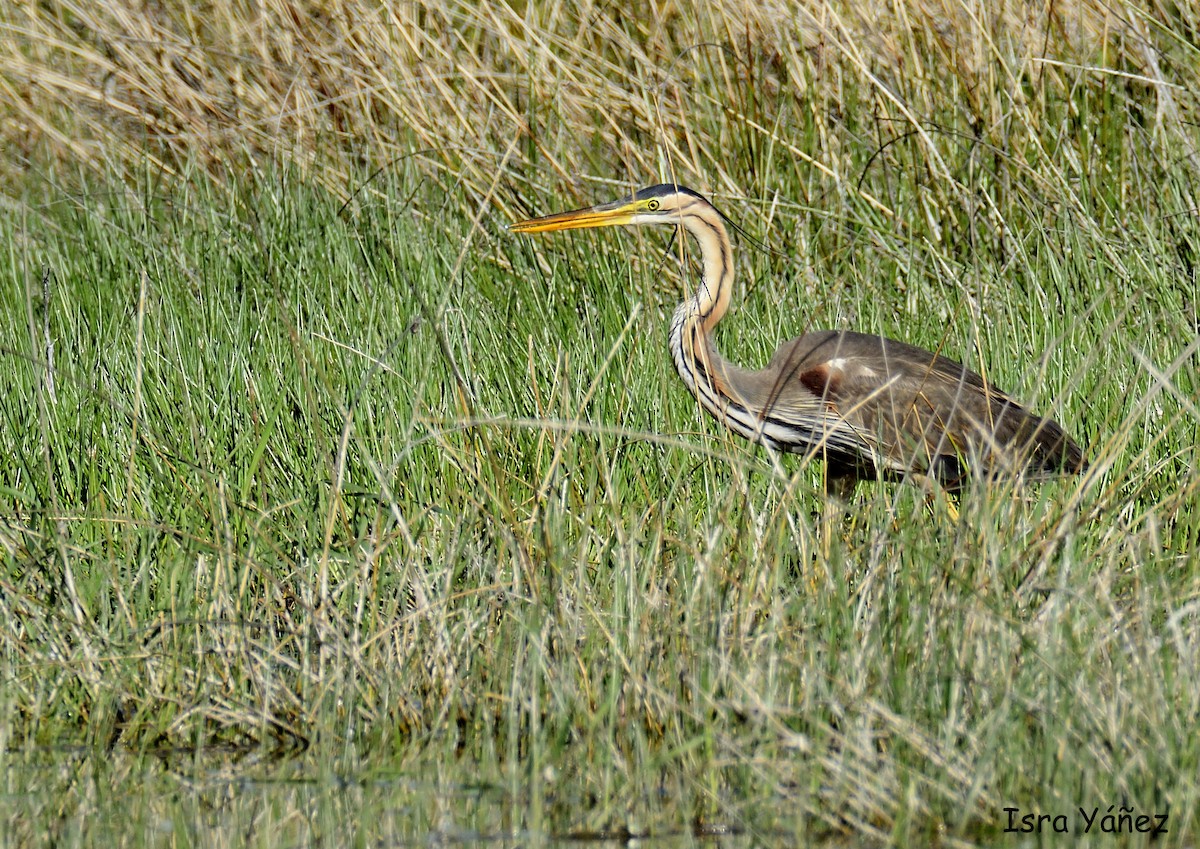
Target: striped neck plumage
{"type": "Point", "coordinates": [695, 356]}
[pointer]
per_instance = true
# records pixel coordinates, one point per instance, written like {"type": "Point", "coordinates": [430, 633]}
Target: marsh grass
{"type": "Point", "coordinates": [314, 471]}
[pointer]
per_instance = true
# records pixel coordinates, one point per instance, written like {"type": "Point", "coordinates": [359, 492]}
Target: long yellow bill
{"type": "Point", "coordinates": [605, 215]}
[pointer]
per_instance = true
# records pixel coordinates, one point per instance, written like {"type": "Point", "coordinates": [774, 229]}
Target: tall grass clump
{"type": "Point", "coordinates": [323, 499]}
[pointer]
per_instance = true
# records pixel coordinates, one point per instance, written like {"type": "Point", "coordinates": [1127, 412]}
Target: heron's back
{"type": "Point", "coordinates": [909, 410]}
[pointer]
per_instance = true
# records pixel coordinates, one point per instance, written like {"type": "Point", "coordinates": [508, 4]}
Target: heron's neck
{"type": "Point", "coordinates": [696, 357]}
{"type": "Point", "coordinates": [709, 302]}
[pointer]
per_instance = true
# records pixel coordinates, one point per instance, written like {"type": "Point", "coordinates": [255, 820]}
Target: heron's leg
{"type": "Point", "coordinates": [840, 488]}
{"type": "Point", "coordinates": [836, 509]}
{"type": "Point", "coordinates": [950, 502]}
{"type": "Point", "coordinates": [936, 494]}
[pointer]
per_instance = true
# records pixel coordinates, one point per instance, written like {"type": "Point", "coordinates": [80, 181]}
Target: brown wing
{"type": "Point", "coordinates": [887, 406]}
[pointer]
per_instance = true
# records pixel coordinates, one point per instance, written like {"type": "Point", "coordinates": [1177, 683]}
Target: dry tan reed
{"type": "Point", "coordinates": [534, 92]}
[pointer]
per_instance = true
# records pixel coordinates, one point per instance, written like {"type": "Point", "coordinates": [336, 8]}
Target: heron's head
{"type": "Point", "coordinates": [662, 204]}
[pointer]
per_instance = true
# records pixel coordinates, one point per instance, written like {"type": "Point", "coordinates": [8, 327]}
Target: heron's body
{"type": "Point", "coordinates": [870, 406]}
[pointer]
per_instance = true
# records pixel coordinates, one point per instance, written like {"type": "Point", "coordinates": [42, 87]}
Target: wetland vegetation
{"type": "Point", "coordinates": [332, 513]}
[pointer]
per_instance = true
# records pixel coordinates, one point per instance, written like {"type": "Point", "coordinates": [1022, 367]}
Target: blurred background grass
{"type": "Point", "coordinates": [309, 461]}
{"type": "Point", "coordinates": [499, 98]}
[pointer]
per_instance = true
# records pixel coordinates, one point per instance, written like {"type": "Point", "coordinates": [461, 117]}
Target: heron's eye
{"type": "Point", "coordinates": [652, 205]}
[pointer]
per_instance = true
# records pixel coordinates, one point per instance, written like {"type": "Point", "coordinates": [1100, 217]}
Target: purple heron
{"type": "Point", "coordinates": [871, 407]}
